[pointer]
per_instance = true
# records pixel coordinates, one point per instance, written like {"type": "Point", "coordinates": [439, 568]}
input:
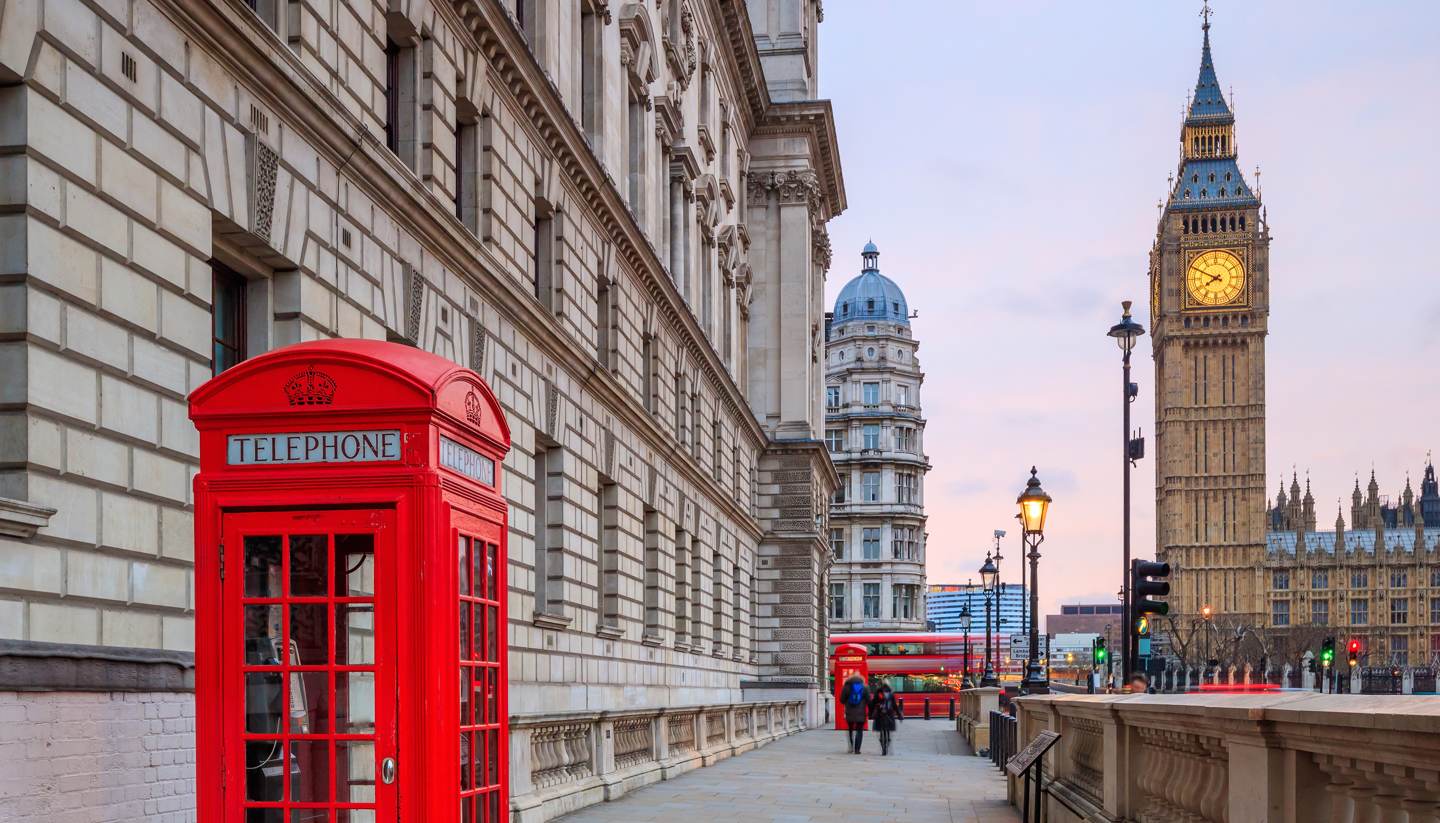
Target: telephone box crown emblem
{"type": "Point", "coordinates": [311, 388]}
{"type": "Point", "coordinates": [472, 408]}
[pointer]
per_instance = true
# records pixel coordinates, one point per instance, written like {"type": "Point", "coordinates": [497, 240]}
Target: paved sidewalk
{"type": "Point", "coordinates": [810, 777]}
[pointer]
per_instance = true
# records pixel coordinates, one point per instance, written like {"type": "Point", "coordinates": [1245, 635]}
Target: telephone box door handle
{"type": "Point", "coordinates": [387, 770]}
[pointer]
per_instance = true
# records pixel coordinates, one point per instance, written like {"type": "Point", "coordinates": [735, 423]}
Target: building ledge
{"type": "Point", "coordinates": [548, 620]}
{"type": "Point", "coordinates": [21, 519]}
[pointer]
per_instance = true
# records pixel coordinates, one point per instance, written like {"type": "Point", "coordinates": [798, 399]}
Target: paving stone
{"type": "Point", "coordinates": [809, 778]}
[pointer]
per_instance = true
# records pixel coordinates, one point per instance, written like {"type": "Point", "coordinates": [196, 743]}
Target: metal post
{"type": "Point", "coordinates": [1036, 681]}
{"type": "Point", "coordinates": [1125, 647]}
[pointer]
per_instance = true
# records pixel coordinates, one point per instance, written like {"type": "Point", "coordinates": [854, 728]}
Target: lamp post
{"type": "Point", "coordinates": [965, 659]}
{"type": "Point", "coordinates": [988, 573]}
{"type": "Point", "coordinates": [1126, 332]}
{"type": "Point", "coordinates": [1034, 505]}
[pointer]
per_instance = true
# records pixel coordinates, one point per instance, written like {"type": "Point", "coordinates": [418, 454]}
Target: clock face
{"type": "Point", "coordinates": [1215, 278]}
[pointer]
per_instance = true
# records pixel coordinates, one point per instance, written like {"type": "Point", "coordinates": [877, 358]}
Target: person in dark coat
{"type": "Point", "coordinates": [855, 700]}
{"type": "Point", "coordinates": [885, 711]}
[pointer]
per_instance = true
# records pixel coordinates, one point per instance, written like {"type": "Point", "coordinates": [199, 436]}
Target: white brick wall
{"type": "Point", "coordinates": [106, 757]}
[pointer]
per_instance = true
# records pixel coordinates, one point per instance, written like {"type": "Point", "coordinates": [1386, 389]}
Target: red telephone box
{"type": "Point", "coordinates": [847, 659]}
{"type": "Point", "coordinates": [350, 589]}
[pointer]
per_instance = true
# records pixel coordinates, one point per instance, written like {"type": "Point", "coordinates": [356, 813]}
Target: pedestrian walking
{"type": "Point", "coordinates": [885, 711]}
{"type": "Point", "coordinates": [856, 699]}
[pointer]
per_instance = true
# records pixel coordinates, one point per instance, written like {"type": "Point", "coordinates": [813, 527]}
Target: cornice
{"type": "Point", "coordinates": [743, 56]}
{"type": "Point", "coordinates": [814, 120]}
{"type": "Point", "coordinates": [237, 40]}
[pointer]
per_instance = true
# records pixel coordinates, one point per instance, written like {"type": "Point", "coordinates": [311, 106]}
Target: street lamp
{"type": "Point", "coordinates": [1126, 332]}
{"type": "Point", "coordinates": [965, 621]}
{"type": "Point", "coordinates": [1034, 505]}
{"type": "Point", "coordinates": [988, 573]}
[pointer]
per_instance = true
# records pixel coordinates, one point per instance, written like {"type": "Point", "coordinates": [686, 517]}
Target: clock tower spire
{"type": "Point", "coordinates": [1209, 309]}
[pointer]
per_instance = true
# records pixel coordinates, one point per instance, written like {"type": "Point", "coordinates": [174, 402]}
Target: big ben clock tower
{"type": "Point", "coordinates": [1209, 304]}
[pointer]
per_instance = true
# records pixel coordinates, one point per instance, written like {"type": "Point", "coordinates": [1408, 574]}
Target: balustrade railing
{"type": "Point", "coordinates": [1207, 758]}
{"type": "Point", "coordinates": [562, 762]}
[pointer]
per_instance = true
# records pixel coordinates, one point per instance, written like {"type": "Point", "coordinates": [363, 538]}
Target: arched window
{"type": "Point", "coordinates": [1242, 222]}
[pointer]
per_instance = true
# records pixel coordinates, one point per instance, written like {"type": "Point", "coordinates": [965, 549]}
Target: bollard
{"type": "Point", "coordinates": [952, 708]}
{"type": "Point", "coordinates": [900, 702]}
{"type": "Point", "coordinates": [927, 708]}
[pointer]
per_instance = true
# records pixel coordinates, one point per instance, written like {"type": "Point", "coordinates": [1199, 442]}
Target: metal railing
{"type": "Point", "coordinates": [1002, 738]}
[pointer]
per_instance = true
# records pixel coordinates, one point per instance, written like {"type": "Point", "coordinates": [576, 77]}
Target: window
{"type": "Point", "coordinates": [832, 397]}
{"type": "Point", "coordinates": [1399, 578]}
{"type": "Point", "coordinates": [271, 13]}
{"type": "Point", "coordinates": [655, 607]}
{"type": "Point", "coordinates": [840, 489]}
{"type": "Point", "coordinates": [719, 593]}
{"type": "Point", "coordinates": [837, 601]}
{"type": "Point", "coordinates": [1320, 579]}
{"type": "Point", "coordinates": [604, 320]}
{"type": "Point", "coordinates": [902, 394]}
{"type": "Point", "coordinates": [607, 499]}
{"type": "Point", "coordinates": [871, 432]}
{"type": "Point", "coordinates": [1280, 580]}
{"type": "Point", "coordinates": [682, 587]}
{"type": "Point", "coordinates": [837, 543]}
{"type": "Point", "coordinates": [870, 490]}
{"type": "Point", "coordinates": [549, 468]}
{"type": "Point", "coordinates": [1280, 613]}
{"type": "Point", "coordinates": [871, 544]}
{"type": "Point", "coordinates": [904, 543]}
{"type": "Point", "coordinates": [227, 318]}
{"type": "Point", "coordinates": [592, 50]}
{"type": "Point", "coordinates": [1435, 610]}
{"type": "Point", "coordinates": [905, 440]}
{"type": "Point", "coordinates": [400, 88]}
{"type": "Point", "coordinates": [1399, 611]}
{"type": "Point", "coordinates": [1400, 650]}
{"type": "Point", "coordinates": [542, 253]}
{"type": "Point", "coordinates": [1435, 577]}
{"type": "Point", "coordinates": [902, 601]}
{"type": "Point", "coordinates": [1359, 611]}
{"type": "Point", "coordinates": [717, 450]}
{"type": "Point", "coordinates": [834, 440]}
{"type": "Point", "coordinates": [1359, 579]}
{"type": "Point", "coordinates": [872, 601]}
{"type": "Point", "coordinates": [636, 136]}
{"type": "Point", "coordinates": [905, 491]}
{"type": "Point", "coordinates": [467, 128]}
{"type": "Point", "coordinates": [1319, 612]}
{"type": "Point", "coordinates": [870, 394]}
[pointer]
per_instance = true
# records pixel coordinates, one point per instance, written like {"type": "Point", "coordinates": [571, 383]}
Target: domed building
{"type": "Point", "coordinates": [875, 433]}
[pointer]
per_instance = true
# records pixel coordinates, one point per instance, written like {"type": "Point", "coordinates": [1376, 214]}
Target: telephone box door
{"type": "Point", "coordinates": [308, 666]}
{"type": "Point", "coordinates": [484, 752]}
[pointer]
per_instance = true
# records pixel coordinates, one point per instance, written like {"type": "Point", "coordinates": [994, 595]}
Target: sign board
{"type": "Point", "coordinates": [466, 461]}
{"type": "Point", "coordinates": [1032, 752]}
{"type": "Point", "coordinates": [1020, 646]}
{"type": "Point", "coordinates": [369, 446]}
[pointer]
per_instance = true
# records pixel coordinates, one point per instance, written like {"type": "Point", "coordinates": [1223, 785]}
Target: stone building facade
{"type": "Point", "coordinates": [1377, 581]}
{"type": "Point", "coordinates": [1209, 310]}
{"type": "Point", "coordinates": [876, 435]}
{"type": "Point", "coordinates": [613, 211]}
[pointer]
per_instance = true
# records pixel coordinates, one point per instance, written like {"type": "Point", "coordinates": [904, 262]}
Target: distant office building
{"type": "Point", "coordinates": [943, 602]}
{"type": "Point", "coordinates": [1087, 618]}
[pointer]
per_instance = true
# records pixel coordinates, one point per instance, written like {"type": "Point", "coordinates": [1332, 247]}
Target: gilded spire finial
{"type": "Point", "coordinates": [1205, 12]}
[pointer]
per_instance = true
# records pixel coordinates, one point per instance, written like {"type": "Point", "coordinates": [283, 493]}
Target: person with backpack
{"type": "Point", "coordinates": [855, 697]}
{"type": "Point", "coordinates": [885, 711]}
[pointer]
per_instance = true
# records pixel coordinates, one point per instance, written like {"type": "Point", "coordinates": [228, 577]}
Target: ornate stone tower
{"type": "Point", "coordinates": [875, 433]}
{"type": "Point", "coordinates": [1209, 304]}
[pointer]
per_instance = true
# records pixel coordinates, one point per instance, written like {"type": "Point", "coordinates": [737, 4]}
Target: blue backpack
{"type": "Point", "coordinates": [856, 695]}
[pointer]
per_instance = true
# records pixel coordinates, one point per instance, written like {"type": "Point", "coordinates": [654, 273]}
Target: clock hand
{"type": "Point", "coordinates": [1214, 277]}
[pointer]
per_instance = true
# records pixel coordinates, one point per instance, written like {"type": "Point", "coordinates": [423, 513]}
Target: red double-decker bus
{"type": "Point", "coordinates": [921, 666]}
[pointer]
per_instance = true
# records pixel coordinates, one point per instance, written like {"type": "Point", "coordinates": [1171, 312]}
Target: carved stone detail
{"type": "Point", "coordinates": [263, 163]}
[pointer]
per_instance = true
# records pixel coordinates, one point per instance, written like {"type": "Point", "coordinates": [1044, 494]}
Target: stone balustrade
{"type": "Point", "coordinates": [973, 718]}
{"type": "Point", "coordinates": [565, 761]}
{"type": "Point", "coordinates": [1276, 758]}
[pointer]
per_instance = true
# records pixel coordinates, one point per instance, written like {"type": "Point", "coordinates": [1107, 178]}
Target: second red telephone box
{"type": "Point", "coordinates": [350, 589]}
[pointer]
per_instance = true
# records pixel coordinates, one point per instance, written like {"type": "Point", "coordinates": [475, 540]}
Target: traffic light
{"type": "Point", "coordinates": [1327, 652]}
{"type": "Point", "coordinates": [1099, 653]}
{"type": "Point", "coordinates": [1142, 587]}
{"type": "Point", "coordinates": [1354, 652]}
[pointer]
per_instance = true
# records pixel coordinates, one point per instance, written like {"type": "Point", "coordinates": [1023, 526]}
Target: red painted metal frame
{"type": "Point", "coordinates": [845, 660]}
{"type": "Point", "coordinates": [353, 385]}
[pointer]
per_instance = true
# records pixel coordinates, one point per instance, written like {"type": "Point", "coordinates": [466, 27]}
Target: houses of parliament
{"type": "Point", "coordinates": [1255, 562]}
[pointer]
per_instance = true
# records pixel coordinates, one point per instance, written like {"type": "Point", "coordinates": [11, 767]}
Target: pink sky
{"type": "Point", "coordinates": [1007, 159]}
